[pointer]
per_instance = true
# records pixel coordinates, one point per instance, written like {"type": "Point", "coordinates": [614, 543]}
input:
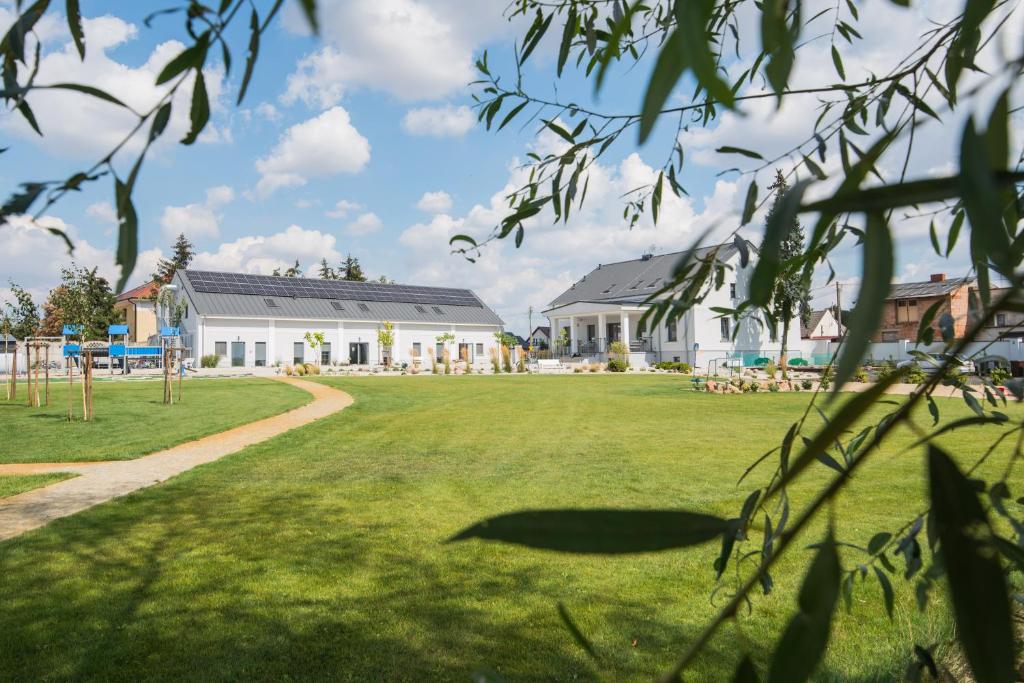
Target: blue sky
{"type": "Point", "coordinates": [359, 141]}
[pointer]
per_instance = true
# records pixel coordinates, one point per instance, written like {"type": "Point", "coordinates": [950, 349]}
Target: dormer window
{"type": "Point", "coordinates": [609, 289]}
{"type": "Point", "coordinates": [364, 308]}
{"type": "Point", "coordinates": [271, 303]}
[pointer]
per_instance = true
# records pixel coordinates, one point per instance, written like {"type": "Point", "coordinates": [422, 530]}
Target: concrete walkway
{"type": "Point", "coordinates": [99, 482]}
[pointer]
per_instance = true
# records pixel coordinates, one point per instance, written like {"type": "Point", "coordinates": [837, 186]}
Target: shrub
{"type": "Point", "coordinates": [433, 361]}
{"type": "Point", "coordinates": [300, 370]}
{"type": "Point", "coordinates": [770, 369]}
{"type": "Point", "coordinates": [617, 365]}
{"type": "Point", "coordinates": [886, 369]}
{"type": "Point", "coordinates": [860, 375]}
{"type": "Point", "coordinates": [773, 387]}
{"type": "Point", "coordinates": [506, 359]}
{"type": "Point", "coordinates": [495, 361]}
{"type": "Point", "coordinates": [807, 385]}
{"type": "Point", "coordinates": [578, 368]}
{"type": "Point", "coordinates": [312, 369]}
{"type": "Point", "coordinates": [595, 367]}
{"type": "Point", "coordinates": [998, 375]}
{"type": "Point", "coordinates": [521, 362]}
{"type": "Point", "coordinates": [447, 357]}
{"type": "Point", "coordinates": [826, 378]}
{"type": "Point", "coordinates": [755, 387]}
{"type": "Point", "coordinates": [209, 361]}
{"type": "Point", "coordinates": [915, 375]}
{"type": "Point", "coordinates": [673, 366]}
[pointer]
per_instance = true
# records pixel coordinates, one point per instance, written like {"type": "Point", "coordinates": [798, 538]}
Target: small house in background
{"type": "Point", "coordinates": [1008, 325]}
{"type": "Point", "coordinates": [908, 301]}
{"type": "Point", "coordinates": [822, 325]}
{"type": "Point", "coordinates": [540, 338]}
{"type": "Point", "coordinates": [139, 308]}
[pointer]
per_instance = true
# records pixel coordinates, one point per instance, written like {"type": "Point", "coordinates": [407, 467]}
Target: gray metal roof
{"type": "Point", "coordinates": [913, 290]}
{"type": "Point", "coordinates": [631, 281]}
{"type": "Point", "coordinates": [812, 322]}
{"type": "Point", "coordinates": [306, 308]}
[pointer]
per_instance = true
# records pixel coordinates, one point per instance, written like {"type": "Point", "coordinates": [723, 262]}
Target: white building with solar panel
{"type": "Point", "coordinates": [261, 320]}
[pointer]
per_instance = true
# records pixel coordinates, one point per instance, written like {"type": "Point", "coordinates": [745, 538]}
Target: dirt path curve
{"type": "Point", "coordinates": [99, 482]}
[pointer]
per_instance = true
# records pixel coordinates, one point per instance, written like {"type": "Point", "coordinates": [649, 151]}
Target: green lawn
{"type": "Point", "coordinates": [131, 419]}
{"type": "Point", "coordinates": [321, 554]}
{"type": "Point", "coordinates": [15, 484]}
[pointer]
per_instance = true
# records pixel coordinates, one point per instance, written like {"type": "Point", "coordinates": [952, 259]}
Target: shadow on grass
{"type": "Point", "coordinates": [156, 586]}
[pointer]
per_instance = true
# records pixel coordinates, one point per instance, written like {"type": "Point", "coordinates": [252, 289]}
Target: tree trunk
{"type": "Point", "coordinates": [784, 348]}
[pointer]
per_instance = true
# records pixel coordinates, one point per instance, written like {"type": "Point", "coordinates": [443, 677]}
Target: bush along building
{"type": "Point", "coordinates": [262, 320]}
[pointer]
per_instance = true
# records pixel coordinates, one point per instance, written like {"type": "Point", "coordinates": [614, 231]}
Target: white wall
{"type": "Point", "coordinates": [281, 335]}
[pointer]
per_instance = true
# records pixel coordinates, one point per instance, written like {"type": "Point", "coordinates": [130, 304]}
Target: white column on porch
{"type": "Point", "coordinates": [572, 334]}
{"type": "Point", "coordinates": [601, 331]}
{"type": "Point", "coordinates": [626, 332]}
{"type": "Point", "coordinates": [553, 333]}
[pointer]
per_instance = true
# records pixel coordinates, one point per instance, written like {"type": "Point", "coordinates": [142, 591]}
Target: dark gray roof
{"type": "Point", "coordinates": [425, 307]}
{"type": "Point", "coordinates": [912, 290]}
{"type": "Point", "coordinates": [816, 316]}
{"type": "Point", "coordinates": [631, 281]}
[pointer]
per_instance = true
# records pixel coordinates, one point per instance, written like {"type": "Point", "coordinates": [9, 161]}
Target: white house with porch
{"type": "Point", "coordinates": [606, 305]}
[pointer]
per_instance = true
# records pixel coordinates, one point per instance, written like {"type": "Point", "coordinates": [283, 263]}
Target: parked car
{"type": "Point", "coordinates": [960, 365]}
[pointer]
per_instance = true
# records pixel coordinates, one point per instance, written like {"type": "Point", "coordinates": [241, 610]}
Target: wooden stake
{"type": "Point", "coordinates": [71, 393]}
{"type": "Point", "coordinates": [181, 371]}
{"type": "Point", "coordinates": [12, 384]}
{"type": "Point", "coordinates": [28, 373]}
{"type": "Point", "coordinates": [46, 369]}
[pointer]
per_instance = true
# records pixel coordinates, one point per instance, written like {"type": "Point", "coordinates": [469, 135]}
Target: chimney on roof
{"type": "Point", "coordinates": [938, 277]}
{"type": "Point", "coordinates": [646, 257]}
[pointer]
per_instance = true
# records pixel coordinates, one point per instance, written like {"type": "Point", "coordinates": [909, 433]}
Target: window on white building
{"type": "Point", "coordinates": [671, 326]}
{"type": "Point", "coordinates": [726, 336]}
{"type": "Point", "coordinates": [221, 349]}
{"type": "Point", "coordinates": [732, 290]}
{"type": "Point", "coordinates": [1000, 320]}
{"type": "Point", "coordinates": [299, 353]}
{"type": "Point", "coordinates": [417, 349]}
{"type": "Point", "coordinates": [479, 349]}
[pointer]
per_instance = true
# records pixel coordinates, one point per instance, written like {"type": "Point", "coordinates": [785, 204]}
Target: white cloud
{"type": "Point", "coordinates": [364, 225]}
{"type": "Point", "coordinates": [435, 202]}
{"type": "Point", "coordinates": [412, 49]}
{"type": "Point", "coordinates": [80, 126]}
{"type": "Point", "coordinates": [197, 221]}
{"type": "Point", "coordinates": [325, 145]}
{"type": "Point", "coordinates": [32, 257]}
{"type": "Point", "coordinates": [263, 253]}
{"type": "Point", "coordinates": [268, 111]}
{"type": "Point", "coordinates": [439, 122]}
{"type": "Point", "coordinates": [343, 208]}
{"type": "Point", "coordinates": [105, 213]}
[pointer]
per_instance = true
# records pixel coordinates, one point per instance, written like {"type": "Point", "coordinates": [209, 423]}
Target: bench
{"type": "Point", "coordinates": [550, 365]}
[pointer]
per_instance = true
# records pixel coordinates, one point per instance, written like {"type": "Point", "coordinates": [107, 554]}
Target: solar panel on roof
{"type": "Point", "coordinates": [265, 285]}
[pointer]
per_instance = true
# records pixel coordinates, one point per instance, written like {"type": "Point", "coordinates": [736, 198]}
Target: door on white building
{"type": "Point", "coordinates": [358, 353]}
{"type": "Point", "coordinates": [614, 332]}
{"type": "Point", "coordinates": [261, 354]}
{"type": "Point", "coordinates": [325, 353]}
{"type": "Point", "coordinates": [237, 354]}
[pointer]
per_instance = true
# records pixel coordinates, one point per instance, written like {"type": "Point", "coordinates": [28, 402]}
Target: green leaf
{"type": "Point", "coordinates": [954, 231]}
{"type": "Point", "coordinates": [561, 132]}
{"type": "Point", "coordinates": [762, 282]}
{"type": "Point", "coordinates": [309, 10]}
{"type": "Point", "coordinates": [803, 643]}
{"type": "Point", "coordinates": [127, 234]}
{"type": "Point", "coordinates": [981, 605]}
{"type": "Point", "coordinates": [160, 121]}
{"type": "Point", "coordinates": [878, 542]}
{"type": "Point", "coordinates": [778, 40]}
{"type": "Point", "coordinates": [739, 150]}
{"type": "Point", "coordinates": [26, 112]}
{"type": "Point", "coordinates": [600, 531]}
{"type": "Point", "coordinates": [75, 26]}
{"type": "Point", "coordinates": [750, 205]}
{"type": "Point", "coordinates": [668, 69]}
{"type": "Point", "coordinates": [533, 36]}
{"type": "Point", "coordinates": [575, 631]}
{"type": "Point", "coordinates": [934, 236]}
{"type": "Point", "coordinates": [200, 111]}
{"type": "Point", "coordinates": [190, 58]}
{"type": "Point", "coordinates": [867, 313]}
{"type": "Point", "coordinates": [814, 168]}
{"type": "Point", "coordinates": [692, 20]}
{"type": "Point", "coordinates": [512, 114]}
{"type": "Point", "coordinates": [982, 202]}
{"type": "Point", "coordinates": [567, 36]}
{"type": "Point", "coordinates": [838, 62]}
{"type": "Point", "coordinates": [89, 90]}
{"type": "Point", "coordinates": [253, 54]}
{"type": "Point", "coordinates": [656, 196]}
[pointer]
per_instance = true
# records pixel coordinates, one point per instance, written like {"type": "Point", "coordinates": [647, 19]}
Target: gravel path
{"type": "Point", "coordinates": [99, 482]}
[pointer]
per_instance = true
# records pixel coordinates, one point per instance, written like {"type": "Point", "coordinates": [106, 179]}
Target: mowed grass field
{"type": "Point", "coordinates": [15, 484]}
{"type": "Point", "coordinates": [322, 554]}
{"type": "Point", "coordinates": [131, 419]}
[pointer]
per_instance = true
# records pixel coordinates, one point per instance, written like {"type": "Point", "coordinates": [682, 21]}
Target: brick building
{"type": "Point", "coordinates": [908, 301]}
